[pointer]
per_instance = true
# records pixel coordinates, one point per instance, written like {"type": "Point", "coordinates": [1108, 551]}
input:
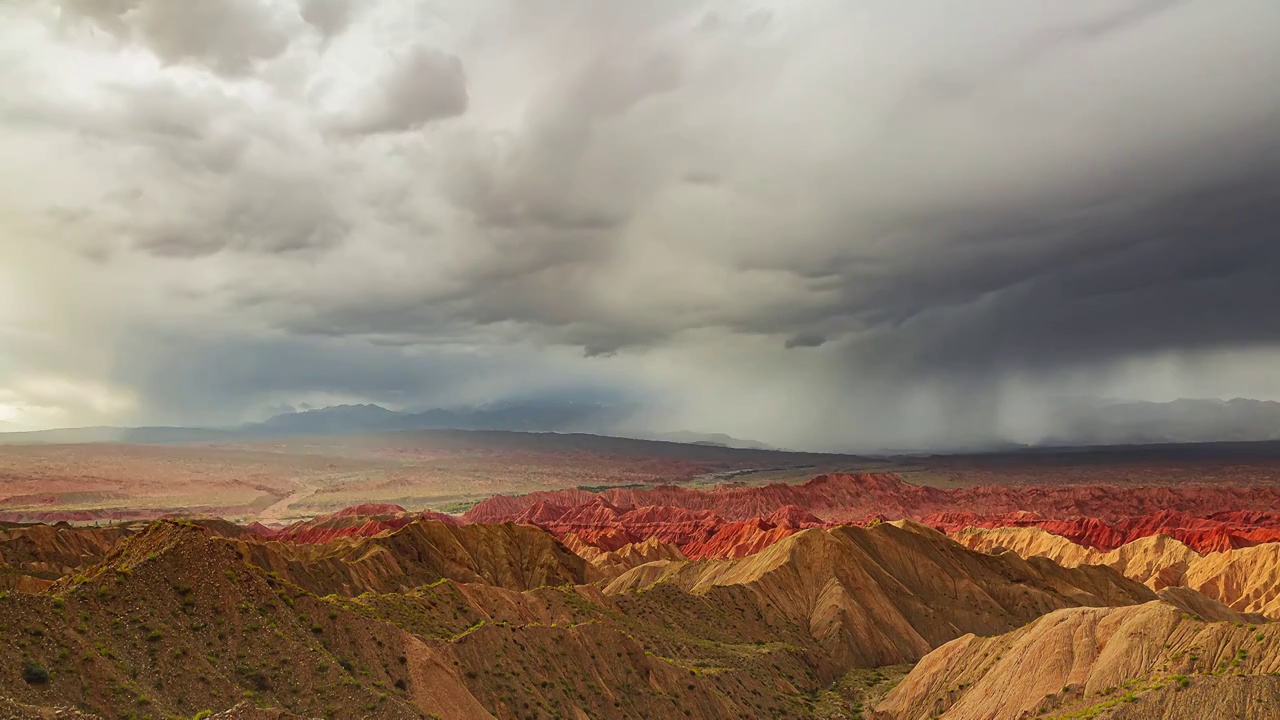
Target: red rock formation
{"type": "Point", "coordinates": [841, 496]}
{"type": "Point", "coordinates": [1223, 531]}
{"type": "Point", "coordinates": [369, 509]}
{"type": "Point", "coordinates": [856, 498]}
{"type": "Point", "coordinates": [732, 521]}
{"type": "Point", "coordinates": [738, 539]}
{"type": "Point", "coordinates": [794, 517]}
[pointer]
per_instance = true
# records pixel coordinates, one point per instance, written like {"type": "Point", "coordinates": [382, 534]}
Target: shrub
{"type": "Point", "coordinates": [34, 673]}
{"type": "Point", "coordinates": [256, 678]}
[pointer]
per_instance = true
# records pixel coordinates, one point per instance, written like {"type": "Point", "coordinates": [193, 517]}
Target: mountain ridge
{"type": "Point", "coordinates": [1075, 424]}
{"type": "Point", "coordinates": [369, 418]}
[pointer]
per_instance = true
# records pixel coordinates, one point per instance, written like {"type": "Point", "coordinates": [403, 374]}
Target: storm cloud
{"type": "Point", "coordinates": [827, 225]}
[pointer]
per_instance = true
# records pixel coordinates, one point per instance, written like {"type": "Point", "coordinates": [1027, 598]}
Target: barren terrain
{"type": "Point", "coordinates": [593, 577]}
{"type": "Point", "coordinates": [296, 478]}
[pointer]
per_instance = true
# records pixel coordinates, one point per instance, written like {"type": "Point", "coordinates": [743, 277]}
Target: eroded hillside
{"type": "Point", "coordinates": [1153, 661]}
{"type": "Point", "coordinates": [505, 621]}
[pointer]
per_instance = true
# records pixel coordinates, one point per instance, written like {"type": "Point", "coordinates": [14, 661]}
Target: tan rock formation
{"type": "Point", "coordinates": [612, 563]}
{"type": "Point", "coordinates": [1089, 661]}
{"type": "Point", "coordinates": [512, 556]}
{"type": "Point", "coordinates": [887, 594]}
{"type": "Point", "coordinates": [1245, 579]}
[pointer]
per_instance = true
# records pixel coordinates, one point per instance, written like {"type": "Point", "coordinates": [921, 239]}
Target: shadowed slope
{"type": "Point", "coordinates": [511, 556]}
{"type": "Point", "coordinates": [33, 556]}
{"type": "Point", "coordinates": [173, 621]}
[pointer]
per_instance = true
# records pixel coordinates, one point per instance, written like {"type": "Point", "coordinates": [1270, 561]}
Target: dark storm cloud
{"type": "Point", "coordinates": [878, 213]}
{"type": "Point", "coordinates": [1118, 273]}
{"type": "Point", "coordinates": [1191, 272]}
{"type": "Point", "coordinates": [1154, 255]}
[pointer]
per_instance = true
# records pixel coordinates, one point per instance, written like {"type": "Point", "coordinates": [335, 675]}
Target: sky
{"type": "Point", "coordinates": [821, 224]}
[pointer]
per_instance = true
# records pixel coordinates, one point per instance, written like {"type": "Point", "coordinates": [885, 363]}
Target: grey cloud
{"type": "Point", "coordinates": [257, 213]}
{"type": "Point", "coordinates": [892, 266]}
{"type": "Point", "coordinates": [1090, 29]}
{"type": "Point", "coordinates": [1185, 274]}
{"type": "Point", "coordinates": [571, 166]}
{"type": "Point", "coordinates": [805, 226]}
{"type": "Point", "coordinates": [227, 36]}
{"type": "Point", "coordinates": [175, 370]}
{"type": "Point", "coordinates": [423, 86]}
{"type": "Point", "coordinates": [184, 129]}
{"type": "Point", "coordinates": [107, 14]}
{"type": "Point", "coordinates": [330, 17]}
{"type": "Point", "coordinates": [611, 84]}
{"type": "Point", "coordinates": [698, 177]}
{"type": "Point", "coordinates": [750, 20]}
{"type": "Point", "coordinates": [806, 340]}
{"type": "Point", "coordinates": [207, 173]}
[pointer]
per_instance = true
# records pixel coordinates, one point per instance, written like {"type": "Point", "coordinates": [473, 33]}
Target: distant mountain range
{"type": "Point", "coordinates": [565, 417]}
{"type": "Point", "coordinates": [1179, 421]}
{"type": "Point", "coordinates": [527, 416]}
{"type": "Point", "coordinates": [1074, 424]}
